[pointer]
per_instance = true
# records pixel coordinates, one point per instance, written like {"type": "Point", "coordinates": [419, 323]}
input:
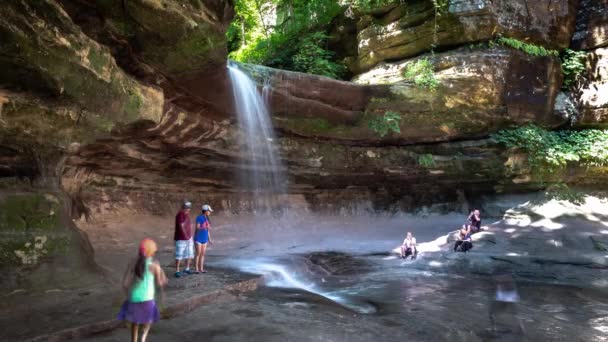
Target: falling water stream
{"type": "Point", "coordinates": [263, 174]}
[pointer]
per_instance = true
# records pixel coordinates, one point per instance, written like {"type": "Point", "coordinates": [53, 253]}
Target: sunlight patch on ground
{"type": "Point", "coordinates": [602, 328]}
{"type": "Point", "coordinates": [556, 243]}
{"type": "Point", "coordinates": [434, 263]}
{"type": "Point", "coordinates": [547, 224]}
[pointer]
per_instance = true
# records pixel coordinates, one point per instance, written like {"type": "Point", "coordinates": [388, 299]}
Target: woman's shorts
{"type": "Point", "coordinates": [184, 249]}
{"type": "Point", "coordinates": [202, 236]}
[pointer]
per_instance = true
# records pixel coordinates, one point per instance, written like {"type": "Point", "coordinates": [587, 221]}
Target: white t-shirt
{"type": "Point", "coordinates": [409, 242]}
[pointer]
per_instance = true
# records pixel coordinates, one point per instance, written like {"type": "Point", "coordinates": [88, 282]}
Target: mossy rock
{"type": "Point", "coordinates": [31, 229]}
{"type": "Point", "coordinates": [44, 51]}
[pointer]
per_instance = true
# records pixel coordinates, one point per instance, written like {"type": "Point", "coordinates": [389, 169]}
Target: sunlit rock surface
{"type": "Point", "coordinates": [591, 93]}
{"type": "Point", "coordinates": [479, 92]}
{"type": "Point", "coordinates": [408, 29]}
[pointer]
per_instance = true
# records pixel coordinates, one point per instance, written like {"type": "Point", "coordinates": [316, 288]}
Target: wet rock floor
{"type": "Point", "coordinates": [407, 304]}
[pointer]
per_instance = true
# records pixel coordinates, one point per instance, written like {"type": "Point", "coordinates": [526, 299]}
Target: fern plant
{"type": "Point", "coordinates": [422, 73]}
{"type": "Point", "coordinates": [389, 122]}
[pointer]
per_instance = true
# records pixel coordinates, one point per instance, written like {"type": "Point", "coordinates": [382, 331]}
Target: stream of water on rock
{"type": "Point", "coordinates": [263, 174]}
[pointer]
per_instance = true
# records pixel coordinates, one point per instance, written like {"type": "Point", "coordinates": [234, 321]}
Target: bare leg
{"type": "Point", "coordinates": [197, 261]}
{"type": "Point", "coordinates": [177, 264]}
{"type": "Point", "coordinates": [202, 256]}
{"type": "Point", "coordinates": [188, 262]}
{"type": "Point", "coordinates": [144, 334]}
{"type": "Point", "coordinates": [402, 251]}
{"type": "Point", "coordinates": [134, 332]}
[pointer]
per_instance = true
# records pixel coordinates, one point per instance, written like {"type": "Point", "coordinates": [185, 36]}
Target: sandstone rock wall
{"type": "Point", "coordinates": [68, 83]}
{"type": "Point", "coordinates": [591, 34]}
{"type": "Point", "coordinates": [411, 28]}
{"type": "Point", "coordinates": [180, 140]}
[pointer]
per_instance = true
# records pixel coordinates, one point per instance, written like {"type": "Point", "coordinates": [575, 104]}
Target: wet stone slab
{"type": "Point", "coordinates": [73, 315]}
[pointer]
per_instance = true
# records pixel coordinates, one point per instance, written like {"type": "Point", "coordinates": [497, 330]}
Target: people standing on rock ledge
{"type": "Point", "coordinates": [184, 245]}
{"type": "Point", "coordinates": [409, 247]}
{"type": "Point", "coordinates": [139, 282]}
{"type": "Point", "coordinates": [202, 237]}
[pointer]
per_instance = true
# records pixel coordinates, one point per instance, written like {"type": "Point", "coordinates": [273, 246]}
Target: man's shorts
{"type": "Point", "coordinates": [184, 249]}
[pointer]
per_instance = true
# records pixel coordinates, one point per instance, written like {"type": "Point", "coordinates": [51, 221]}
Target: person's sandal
{"type": "Point", "coordinates": [178, 274]}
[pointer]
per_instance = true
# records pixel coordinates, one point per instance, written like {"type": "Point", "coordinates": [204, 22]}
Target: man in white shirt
{"type": "Point", "coordinates": [409, 247]}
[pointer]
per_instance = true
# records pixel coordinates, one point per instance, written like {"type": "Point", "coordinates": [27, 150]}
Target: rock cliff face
{"type": "Point", "coordinates": [73, 72]}
{"type": "Point", "coordinates": [402, 31]}
{"type": "Point", "coordinates": [478, 92]}
{"type": "Point", "coordinates": [592, 35]}
{"type": "Point", "coordinates": [110, 106]}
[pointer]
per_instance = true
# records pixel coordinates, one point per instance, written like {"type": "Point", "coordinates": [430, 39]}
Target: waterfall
{"type": "Point", "coordinates": [263, 172]}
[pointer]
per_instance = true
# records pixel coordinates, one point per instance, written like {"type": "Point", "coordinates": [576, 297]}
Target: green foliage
{"type": "Point", "coordinates": [549, 151]}
{"type": "Point", "coordinates": [386, 123]}
{"type": "Point", "coordinates": [530, 49]}
{"type": "Point", "coordinates": [312, 58]}
{"type": "Point", "coordinates": [573, 66]}
{"type": "Point", "coordinates": [367, 5]}
{"type": "Point", "coordinates": [295, 40]}
{"type": "Point", "coordinates": [426, 160]}
{"type": "Point", "coordinates": [422, 73]}
{"type": "Point", "coordinates": [441, 6]}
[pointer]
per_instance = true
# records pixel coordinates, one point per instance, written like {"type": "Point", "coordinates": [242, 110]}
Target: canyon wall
{"type": "Point", "coordinates": [112, 106]}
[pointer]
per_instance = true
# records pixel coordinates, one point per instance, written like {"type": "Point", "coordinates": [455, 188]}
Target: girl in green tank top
{"type": "Point", "coordinates": [143, 289]}
{"type": "Point", "coordinates": [140, 281]}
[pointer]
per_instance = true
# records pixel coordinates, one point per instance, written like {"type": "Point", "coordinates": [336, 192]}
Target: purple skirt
{"type": "Point", "coordinates": [139, 313]}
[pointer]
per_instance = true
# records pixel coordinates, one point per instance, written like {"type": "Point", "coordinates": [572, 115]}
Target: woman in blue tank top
{"type": "Point", "coordinates": [140, 283]}
{"type": "Point", "coordinates": [202, 237]}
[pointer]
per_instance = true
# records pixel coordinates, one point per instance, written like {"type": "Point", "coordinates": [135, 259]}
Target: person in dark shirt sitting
{"type": "Point", "coordinates": [474, 221]}
{"type": "Point", "coordinates": [464, 242]}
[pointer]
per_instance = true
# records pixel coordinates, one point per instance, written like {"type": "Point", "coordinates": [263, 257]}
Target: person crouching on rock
{"type": "Point", "coordinates": [409, 247]}
{"type": "Point", "coordinates": [184, 245]}
{"type": "Point", "coordinates": [464, 242]}
{"type": "Point", "coordinates": [139, 282]}
{"type": "Point", "coordinates": [474, 221]}
{"type": "Point", "coordinates": [202, 237]}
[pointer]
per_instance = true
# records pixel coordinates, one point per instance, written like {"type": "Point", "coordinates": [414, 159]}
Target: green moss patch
{"type": "Point", "coordinates": [30, 229]}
